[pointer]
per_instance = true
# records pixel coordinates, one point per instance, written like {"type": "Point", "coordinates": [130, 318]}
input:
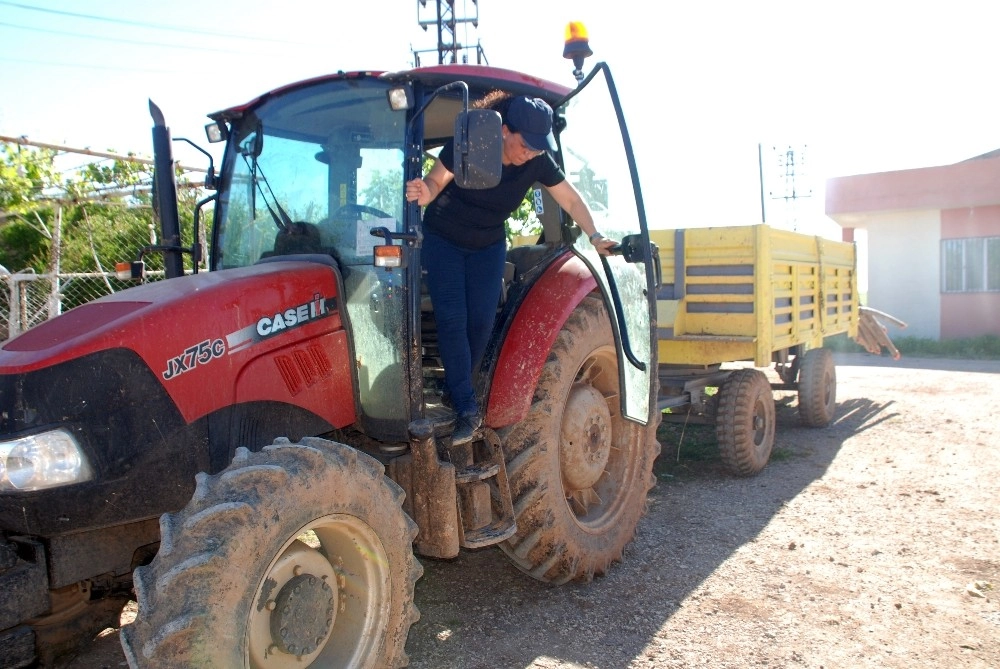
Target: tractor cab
{"type": "Point", "coordinates": [317, 170]}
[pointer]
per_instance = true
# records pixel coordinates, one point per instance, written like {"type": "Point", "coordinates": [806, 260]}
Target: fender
{"type": "Point", "coordinates": [545, 309]}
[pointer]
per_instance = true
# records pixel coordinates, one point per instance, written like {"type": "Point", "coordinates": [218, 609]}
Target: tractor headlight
{"type": "Point", "coordinates": [46, 460]}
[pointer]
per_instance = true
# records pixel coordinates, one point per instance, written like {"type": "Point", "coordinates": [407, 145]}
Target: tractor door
{"type": "Point", "coordinates": [598, 160]}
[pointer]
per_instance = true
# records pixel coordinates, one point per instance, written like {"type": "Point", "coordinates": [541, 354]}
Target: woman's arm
{"type": "Point", "coordinates": [572, 203]}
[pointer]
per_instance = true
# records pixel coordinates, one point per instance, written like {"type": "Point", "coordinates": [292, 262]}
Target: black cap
{"type": "Point", "coordinates": [532, 118]}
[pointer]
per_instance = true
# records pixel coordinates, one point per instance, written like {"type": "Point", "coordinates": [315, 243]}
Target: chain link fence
{"type": "Point", "coordinates": [28, 297]}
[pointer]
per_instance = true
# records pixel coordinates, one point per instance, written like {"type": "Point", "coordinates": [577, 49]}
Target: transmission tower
{"type": "Point", "coordinates": [446, 21]}
{"type": "Point", "coordinates": [791, 162]}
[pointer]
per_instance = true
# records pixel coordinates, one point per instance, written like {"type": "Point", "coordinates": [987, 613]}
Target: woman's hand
{"type": "Point", "coordinates": [418, 191]}
{"type": "Point", "coordinates": [603, 245]}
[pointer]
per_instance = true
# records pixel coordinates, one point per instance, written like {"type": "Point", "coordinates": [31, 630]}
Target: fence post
{"type": "Point", "coordinates": [12, 320]}
{"type": "Point", "coordinates": [18, 306]}
{"type": "Point", "coordinates": [55, 297]}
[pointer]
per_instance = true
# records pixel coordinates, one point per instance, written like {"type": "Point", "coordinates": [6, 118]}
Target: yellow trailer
{"type": "Point", "coordinates": [758, 294]}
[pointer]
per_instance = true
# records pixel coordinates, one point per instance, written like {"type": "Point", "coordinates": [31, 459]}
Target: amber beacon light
{"type": "Point", "coordinates": [577, 47]}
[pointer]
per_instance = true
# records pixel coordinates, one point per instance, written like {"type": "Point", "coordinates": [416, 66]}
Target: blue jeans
{"type": "Point", "coordinates": [464, 285]}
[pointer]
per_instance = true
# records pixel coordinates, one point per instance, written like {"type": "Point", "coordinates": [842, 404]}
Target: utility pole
{"type": "Point", "coordinates": [445, 21]}
{"type": "Point", "coordinates": [791, 166]}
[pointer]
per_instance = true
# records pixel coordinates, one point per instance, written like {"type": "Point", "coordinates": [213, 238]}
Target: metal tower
{"type": "Point", "coordinates": [449, 49]}
{"type": "Point", "coordinates": [792, 162]}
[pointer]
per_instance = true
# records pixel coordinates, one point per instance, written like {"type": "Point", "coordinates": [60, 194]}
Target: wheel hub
{"type": "Point", "coordinates": [586, 437]}
{"type": "Point", "coordinates": [303, 615]}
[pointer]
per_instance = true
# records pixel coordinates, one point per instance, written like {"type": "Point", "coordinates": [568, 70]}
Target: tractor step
{"type": "Point", "coordinates": [485, 506]}
{"type": "Point", "coordinates": [477, 472]}
{"type": "Point", "coordinates": [489, 535]}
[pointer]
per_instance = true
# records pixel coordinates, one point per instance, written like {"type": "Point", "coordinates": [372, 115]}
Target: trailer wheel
{"type": "Point", "coordinates": [295, 556]}
{"type": "Point", "coordinates": [817, 388]}
{"type": "Point", "coordinates": [744, 425]}
{"type": "Point", "coordinates": [579, 472]}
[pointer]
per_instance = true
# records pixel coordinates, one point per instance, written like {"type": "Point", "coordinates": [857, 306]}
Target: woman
{"type": "Point", "coordinates": [465, 245]}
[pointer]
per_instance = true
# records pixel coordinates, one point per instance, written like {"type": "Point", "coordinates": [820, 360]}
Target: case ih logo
{"type": "Point", "coordinates": [284, 320]}
{"type": "Point", "coordinates": [266, 327]}
{"type": "Point", "coordinates": [293, 317]}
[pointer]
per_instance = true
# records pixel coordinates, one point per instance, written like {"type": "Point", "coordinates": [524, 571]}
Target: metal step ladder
{"type": "Point", "coordinates": [485, 506]}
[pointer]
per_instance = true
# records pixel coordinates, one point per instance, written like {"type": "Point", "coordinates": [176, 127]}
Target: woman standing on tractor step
{"type": "Point", "coordinates": [465, 245]}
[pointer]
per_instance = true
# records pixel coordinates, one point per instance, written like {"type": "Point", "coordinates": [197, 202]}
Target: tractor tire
{"type": "Point", "coordinates": [744, 425]}
{"type": "Point", "coordinates": [299, 555]}
{"type": "Point", "coordinates": [817, 388]}
{"type": "Point", "coordinates": [579, 472]}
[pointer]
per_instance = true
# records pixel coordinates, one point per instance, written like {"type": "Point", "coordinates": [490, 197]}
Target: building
{"type": "Point", "coordinates": [932, 237]}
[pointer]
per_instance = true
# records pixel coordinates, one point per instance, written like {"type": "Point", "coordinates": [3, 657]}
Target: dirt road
{"type": "Point", "coordinates": [874, 542]}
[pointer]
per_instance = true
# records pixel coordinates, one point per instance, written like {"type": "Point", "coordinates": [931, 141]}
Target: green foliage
{"type": "Point", "coordinates": [523, 221]}
{"type": "Point", "coordinates": [104, 206]}
{"type": "Point", "coordinates": [23, 246]}
{"type": "Point", "coordinates": [25, 175]}
{"type": "Point", "coordinates": [985, 347]}
{"type": "Point", "coordinates": [383, 191]}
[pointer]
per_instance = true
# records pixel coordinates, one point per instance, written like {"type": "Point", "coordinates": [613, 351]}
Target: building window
{"type": "Point", "coordinates": [970, 265]}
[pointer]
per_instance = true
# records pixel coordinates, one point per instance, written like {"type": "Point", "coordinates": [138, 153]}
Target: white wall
{"type": "Point", "coordinates": [904, 270]}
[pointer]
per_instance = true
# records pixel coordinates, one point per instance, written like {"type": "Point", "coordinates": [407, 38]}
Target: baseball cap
{"type": "Point", "coordinates": [532, 118]}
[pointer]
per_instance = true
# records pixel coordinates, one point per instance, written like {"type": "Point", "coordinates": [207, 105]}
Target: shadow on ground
{"type": "Point", "coordinates": [479, 611]}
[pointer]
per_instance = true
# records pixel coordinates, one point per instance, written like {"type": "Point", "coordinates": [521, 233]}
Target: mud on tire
{"type": "Point", "coordinates": [579, 472]}
{"type": "Point", "coordinates": [744, 424]}
{"type": "Point", "coordinates": [300, 554]}
{"type": "Point", "coordinates": [817, 388]}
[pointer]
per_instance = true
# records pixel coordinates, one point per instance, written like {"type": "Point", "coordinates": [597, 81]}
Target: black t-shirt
{"type": "Point", "coordinates": [475, 218]}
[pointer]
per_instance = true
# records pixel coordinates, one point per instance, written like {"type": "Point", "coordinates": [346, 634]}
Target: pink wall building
{"type": "Point", "coordinates": [933, 243]}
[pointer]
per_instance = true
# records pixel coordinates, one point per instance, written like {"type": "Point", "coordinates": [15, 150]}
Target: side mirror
{"type": "Point", "coordinates": [478, 156]}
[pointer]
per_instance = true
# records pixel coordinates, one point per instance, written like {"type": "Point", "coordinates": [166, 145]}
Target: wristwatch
{"type": "Point", "coordinates": [596, 235]}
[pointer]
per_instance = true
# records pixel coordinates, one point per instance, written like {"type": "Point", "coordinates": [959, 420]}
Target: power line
{"type": "Point", "coordinates": [113, 68]}
{"type": "Point", "coordinates": [120, 40]}
{"type": "Point", "coordinates": [144, 24]}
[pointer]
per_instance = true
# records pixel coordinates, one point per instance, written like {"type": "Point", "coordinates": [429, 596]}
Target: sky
{"type": "Point", "coordinates": [714, 93]}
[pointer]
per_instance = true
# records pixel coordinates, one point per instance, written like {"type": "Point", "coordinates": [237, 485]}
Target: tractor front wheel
{"type": "Point", "coordinates": [296, 556]}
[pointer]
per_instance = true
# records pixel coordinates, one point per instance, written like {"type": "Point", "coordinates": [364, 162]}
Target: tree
{"type": "Point", "coordinates": [26, 177]}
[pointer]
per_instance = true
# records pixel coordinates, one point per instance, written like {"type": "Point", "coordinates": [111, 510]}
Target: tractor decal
{"type": "Point", "coordinates": [199, 354]}
{"type": "Point", "coordinates": [282, 321]}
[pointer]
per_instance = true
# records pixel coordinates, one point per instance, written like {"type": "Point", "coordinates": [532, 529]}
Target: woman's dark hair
{"type": "Point", "coordinates": [498, 101]}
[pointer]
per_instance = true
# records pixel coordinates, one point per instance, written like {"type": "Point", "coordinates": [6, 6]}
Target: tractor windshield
{"type": "Point", "coordinates": [312, 171]}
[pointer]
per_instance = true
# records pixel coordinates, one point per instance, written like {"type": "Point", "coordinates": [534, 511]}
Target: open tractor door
{"type": "Point", "coordinates": [256, 451]}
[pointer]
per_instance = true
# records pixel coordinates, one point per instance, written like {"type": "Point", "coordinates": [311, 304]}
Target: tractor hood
{"type": "Point", "coordinates": [195, 333]}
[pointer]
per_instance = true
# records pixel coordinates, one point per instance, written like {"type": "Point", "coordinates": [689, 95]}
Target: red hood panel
{"type": "Point", "coordinates": [199, 333]}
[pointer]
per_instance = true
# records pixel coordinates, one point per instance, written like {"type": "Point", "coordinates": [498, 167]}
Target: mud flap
{"type": "Point", "coordinates": [431, 493]}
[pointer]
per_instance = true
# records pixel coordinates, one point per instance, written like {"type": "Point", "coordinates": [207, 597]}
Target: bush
{"type": "Point", "coordinates": [985, 347]}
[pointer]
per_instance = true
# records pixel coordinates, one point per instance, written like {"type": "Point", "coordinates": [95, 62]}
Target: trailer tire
{"type": "Point", "coordinates": [239, 578]}
{"type": "Point", "coordinates": [744, 425]}
{"type": "Point", "coordinates": [579, 472]}
{"type": "Point", "coordinates": [817, 388]}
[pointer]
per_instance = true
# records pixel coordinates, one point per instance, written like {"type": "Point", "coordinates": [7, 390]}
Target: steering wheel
{"type": "Point", "coordinates": [355, 210]}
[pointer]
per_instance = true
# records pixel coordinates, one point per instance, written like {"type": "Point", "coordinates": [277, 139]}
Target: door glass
{"type": "Point", "coordinates": [597, 159]}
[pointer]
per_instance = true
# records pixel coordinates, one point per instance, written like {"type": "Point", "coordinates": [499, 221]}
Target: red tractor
{"type": "Point", "coordinates": [257, 451]}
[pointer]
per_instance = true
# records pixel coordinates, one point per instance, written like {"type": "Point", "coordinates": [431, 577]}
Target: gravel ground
{"type": "Point", "coordinates": [873, 542]}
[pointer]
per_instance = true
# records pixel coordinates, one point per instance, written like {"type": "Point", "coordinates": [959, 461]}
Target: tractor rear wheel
{"type": "Point", "coordinates": [744, 425]}
{"type": "Point", "coordinates": [817, 388]}
{"type": "Point", "coordinates": [295, 556]}
{"type": "Point", "coordinates": [579, 472]}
